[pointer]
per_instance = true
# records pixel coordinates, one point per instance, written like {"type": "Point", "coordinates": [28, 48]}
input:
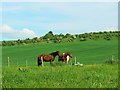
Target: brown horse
{"type": "Point", "coordinates": [47, 58]}
{"type": "Point", "coordinates": [65, 57]}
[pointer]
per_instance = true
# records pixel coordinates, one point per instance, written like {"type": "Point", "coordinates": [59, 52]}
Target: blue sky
{"type": "Point", "coordinates": [22, 20]}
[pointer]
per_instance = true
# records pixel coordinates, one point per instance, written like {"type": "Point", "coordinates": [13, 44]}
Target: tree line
{"type": "Point", "coordinates": [59, 38]}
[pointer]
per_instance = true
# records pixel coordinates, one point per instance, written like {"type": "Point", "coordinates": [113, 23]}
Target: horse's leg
{"type": "Point", "coordinates": [38, 61]}
{"type": "Point", "coordinates": [51, 62]}
{"type": "Point", "coordinates": [42, 61]}
{"type": "Point", "coordinates": [38, 64]}
{"type": "Point", "coordinates": [67, 59]}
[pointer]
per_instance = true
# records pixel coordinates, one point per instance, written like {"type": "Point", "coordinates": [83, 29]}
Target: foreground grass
{"type": "Point", "coordinates": [64, 76]}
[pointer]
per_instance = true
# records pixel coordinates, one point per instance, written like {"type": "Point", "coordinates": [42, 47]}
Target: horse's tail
{"type": "Point", "coordinates": [40, 60]}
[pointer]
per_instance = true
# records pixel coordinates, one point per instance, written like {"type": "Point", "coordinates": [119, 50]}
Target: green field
{"type": "Point", "coordinates": [89, 52]}
{"type": "Point", "coordinates": [93, 54]}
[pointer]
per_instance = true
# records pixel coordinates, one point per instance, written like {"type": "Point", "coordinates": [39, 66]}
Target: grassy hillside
{"type": "Point", "coordinates": [50, 37]}
{"type": "Point", "coordinates": [89, 52]}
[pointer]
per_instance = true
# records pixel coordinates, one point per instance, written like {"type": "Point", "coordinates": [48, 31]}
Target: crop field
{"type": "Point", "coordinates": [92, 54]}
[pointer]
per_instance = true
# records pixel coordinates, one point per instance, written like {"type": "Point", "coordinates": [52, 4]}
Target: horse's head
{"type": "Point", "coordinates": [58, 53]}
{"type": "Point", "coordinates": [69, 54]}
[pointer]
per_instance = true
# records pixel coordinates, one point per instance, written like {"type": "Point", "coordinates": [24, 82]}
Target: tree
{"type": "Point", "coordinates": [82, 36]}
{"type": "Point", "coordinates": [74, 36]}
{"type": "Point", "coordinates": [50, 32]}
{"type": "Point", "coordinates": [49, 35]}
{"type": "Point", "coordinates": [61, 35]}
{"type": "Point", "coordinates": [4, 43]}
{"type": "Point", "coordinates": [82, 39]}
{"type": "Point", "coordinates": [57, 38]}
{"type": "Point", "coordinates": [0, 43]}
{"type": "Point", "coordinates": [67, 35]}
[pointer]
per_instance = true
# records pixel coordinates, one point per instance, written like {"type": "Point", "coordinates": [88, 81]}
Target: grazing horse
{"type": "Point", "coordinates": [47, 58]}
{"type": "Point", "coordinates": [65, 57]}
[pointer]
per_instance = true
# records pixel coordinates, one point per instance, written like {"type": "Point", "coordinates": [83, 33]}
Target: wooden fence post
{"type": "Point", "coordinates": [112, 58]}
{"type": "Point", "coordinates": [75, 61]}
{"type": "Point", "coordinates": [8, 62]}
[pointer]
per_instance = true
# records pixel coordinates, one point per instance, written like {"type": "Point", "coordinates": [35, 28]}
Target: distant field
{"type": "Point", "coordinates": [89, 52]}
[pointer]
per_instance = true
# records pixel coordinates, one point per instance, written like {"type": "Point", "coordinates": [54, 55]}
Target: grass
{"type": "Point", "coordinates": [66, 76]}
{"type": "Point", "coordinates": [94, 74]}
{"type": "Point", "coordinates": [89, 52]}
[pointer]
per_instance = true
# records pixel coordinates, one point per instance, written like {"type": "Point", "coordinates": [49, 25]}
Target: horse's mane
{"type": "Point", "coordinates": [54, 53]}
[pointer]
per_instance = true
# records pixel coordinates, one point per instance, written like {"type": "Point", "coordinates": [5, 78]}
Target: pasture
{"type": "Point", "coordinates": [89, 52]}
{"type": "Point", "coordinates": [93, 54]}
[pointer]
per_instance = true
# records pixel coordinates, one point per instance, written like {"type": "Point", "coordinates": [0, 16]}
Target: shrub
{"type": "Point", "coordinates": [111, 60]}
{"type": "Point", "coordinates": [82, 39]}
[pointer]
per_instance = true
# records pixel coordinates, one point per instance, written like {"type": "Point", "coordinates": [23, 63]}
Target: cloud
{"type": "Point", "coordinates": [10, 33]}
{"type": "Point", "coordinates": [110, 29]}
{"type": "Point", "coordinates": [6, 29]}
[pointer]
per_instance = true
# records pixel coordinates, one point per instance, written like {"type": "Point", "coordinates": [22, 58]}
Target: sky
{"type": "Point", "coordinates": [21, 20]}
